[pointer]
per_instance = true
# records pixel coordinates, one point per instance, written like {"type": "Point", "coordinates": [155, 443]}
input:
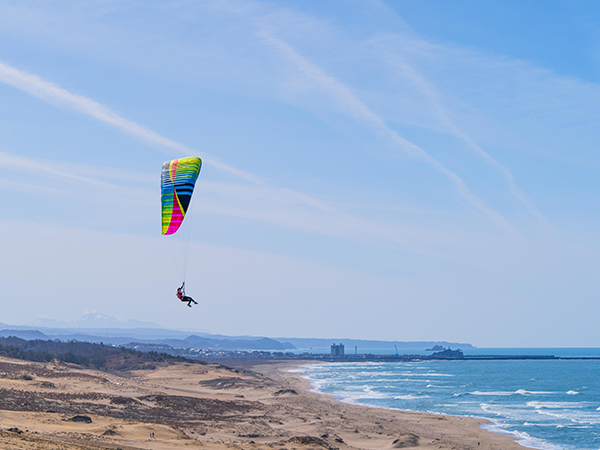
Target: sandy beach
{"type": "Point", "coordinates": [187, 405]}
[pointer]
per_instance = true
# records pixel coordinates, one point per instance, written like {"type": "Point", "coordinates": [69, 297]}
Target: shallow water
{"type": "Point", "coordinates": [547, 404]}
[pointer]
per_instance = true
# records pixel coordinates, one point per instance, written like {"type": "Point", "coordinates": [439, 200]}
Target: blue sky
{"type": "Point", "coordinates": [387, 170]}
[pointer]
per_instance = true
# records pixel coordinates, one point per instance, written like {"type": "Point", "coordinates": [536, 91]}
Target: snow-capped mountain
{"type": "Point", "coordinates": [94, 320]}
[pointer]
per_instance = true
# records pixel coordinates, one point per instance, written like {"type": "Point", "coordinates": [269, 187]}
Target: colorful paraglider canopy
{"type": "Point", "coordinates": [177, 185]}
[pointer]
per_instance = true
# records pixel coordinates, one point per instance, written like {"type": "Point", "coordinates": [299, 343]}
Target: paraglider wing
{"type": "Point", "coordinates": [177, 185]}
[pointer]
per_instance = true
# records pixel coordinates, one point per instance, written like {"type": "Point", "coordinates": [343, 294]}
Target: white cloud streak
{"type": "Point", "coordinates": [75, 186]}
{"type": "Point", "coordinates": [354, 107]}
{"type": "Point", "coordinates": [432, 94]}
{"type": "Point", "coordinates": [56, 95]}
{"type": "Point", "coordinates": [258, 203]}
{"type": "Point", "coordinates": [14, 162]}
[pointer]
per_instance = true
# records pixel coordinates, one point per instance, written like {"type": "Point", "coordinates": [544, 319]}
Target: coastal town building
{"type": "Point", "coordinates": [337, 350]}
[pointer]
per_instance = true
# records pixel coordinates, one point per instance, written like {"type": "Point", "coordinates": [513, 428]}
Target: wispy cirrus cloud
{"type": "Point", "coordinates": [428, 89]}
{"type": "Point", "coordinates": [84, 173]}
{"type": "Point", "coordinates": [76, 181]}
{"type": "Point", "coordinates": [359, 111]}
{"type": "Point", "coordinates": [51, 93]}
{"type": "Point", "coordinates": [22, 164]}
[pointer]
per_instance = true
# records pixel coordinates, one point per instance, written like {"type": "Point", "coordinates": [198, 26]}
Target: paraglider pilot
{"type": "Point", "coordinates": [181, 296]}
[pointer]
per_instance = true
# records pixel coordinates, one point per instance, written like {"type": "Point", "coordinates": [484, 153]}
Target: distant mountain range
{"type": "Point", "coordinates": [96, 327]}
{"type": "Point", "coordinates": [94, 320]}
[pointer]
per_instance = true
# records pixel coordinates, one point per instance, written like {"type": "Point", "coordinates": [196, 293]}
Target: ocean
{"type": "Point", "coordinates": [545, 404]}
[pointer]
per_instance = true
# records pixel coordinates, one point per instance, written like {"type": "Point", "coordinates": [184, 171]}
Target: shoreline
{"type": "Point", "coordinates": [489, 438]}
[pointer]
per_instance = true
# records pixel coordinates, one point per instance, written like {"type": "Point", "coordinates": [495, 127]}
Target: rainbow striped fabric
{"type": "Point", "coordinates": [177, 185]}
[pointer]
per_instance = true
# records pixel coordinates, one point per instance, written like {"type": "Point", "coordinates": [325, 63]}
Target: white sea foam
{"type": "Point", "coordinates": [517, 416]}
{"type": "Point", "coordinates": [508, 393]}
{"type": "Point", "coordinates": [377, 374]}
{"type": "Point", "coordinates": [505, 412]}
{"type": "Point", "coordinates": [410, 374]}
{"type": "Point", "coordinates": [568, 417]}
{"type": "Point", "coordinates": [526, 392]}
{"type": "Point", "coordinates": [365, 393]}
{"type": "Point", "coordinates": [523, 438]}
{"type": "Point", "coordinates": [410, 397]}
{"type": "Point", "coordinates": [556, 405]}
{"type": "Point", "coordinates": [492, 393]}
{"type": "Point", "coordinates": [572, 392]}
{"type": "Point", "coordinates": [355, 399]}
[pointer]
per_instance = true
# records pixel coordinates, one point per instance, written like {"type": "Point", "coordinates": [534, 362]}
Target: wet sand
{"type": "Point", "coordinates": [210, 406]}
